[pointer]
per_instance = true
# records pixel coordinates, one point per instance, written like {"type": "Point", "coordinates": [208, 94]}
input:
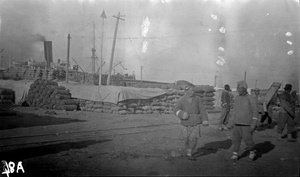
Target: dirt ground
{"type": "Point", "coordinates": [80, 143]}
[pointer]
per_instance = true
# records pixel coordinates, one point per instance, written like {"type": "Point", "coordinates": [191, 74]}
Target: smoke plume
{"type": "Point", "coordinates": [20, 33]}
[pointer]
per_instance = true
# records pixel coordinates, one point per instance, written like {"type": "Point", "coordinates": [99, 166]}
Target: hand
{"type": "Point", "coordinates": [205, 123]}
{"type": "Point", "coordinates": [253, 126]}
{"type": "Point", "coordinates": [185, 116]}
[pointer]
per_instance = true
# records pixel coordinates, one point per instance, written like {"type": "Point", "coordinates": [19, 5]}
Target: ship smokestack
{"type": "Point", "coordinates": [48, 53]}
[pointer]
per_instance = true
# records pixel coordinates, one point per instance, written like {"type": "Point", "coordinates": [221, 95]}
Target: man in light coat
{"type": "Point", "coordinates": [192, 113]}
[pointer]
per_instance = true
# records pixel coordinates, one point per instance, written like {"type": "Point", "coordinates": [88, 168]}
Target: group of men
{"type": "Point", "coordinates": [248, 112]}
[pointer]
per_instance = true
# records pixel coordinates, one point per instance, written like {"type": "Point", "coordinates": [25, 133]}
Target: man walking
{"type": "Point", "coordinates": [192, 113]}
{"type": "Point", "coordinates": [286, 114]}
{"type": "Point", "coordinates": [244, 116]}
{"type": "Point", "coordinates": [226, 106]}
{"type": "Point", "coordinates": [261, 107]}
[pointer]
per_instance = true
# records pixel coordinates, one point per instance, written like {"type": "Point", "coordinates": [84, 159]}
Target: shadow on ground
{"type": "Point", "coordinates": [31, 120]}
{"type": "Point", "coordinates": [213, 147]}
{"type": "Point", "coordinates": [261, 148]}
{"type": "Point", "coordinates": [26, 153]}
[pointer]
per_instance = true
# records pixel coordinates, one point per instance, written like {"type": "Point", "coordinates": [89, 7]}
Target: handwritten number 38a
{"type": "Point", "coordinates": [10, 167]}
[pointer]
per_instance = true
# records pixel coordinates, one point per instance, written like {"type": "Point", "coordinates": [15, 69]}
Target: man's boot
{"type": "Point", "coordinates": [189, 152]}
{"type": "Point", "coordinates": [290, 138]}
{"type": "Point", "coordinates": [279, 136]}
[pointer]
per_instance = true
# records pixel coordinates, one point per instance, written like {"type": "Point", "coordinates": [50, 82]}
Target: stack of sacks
{"type": "Point", "coordinates": [163, 104]}
{"type": "Point", "coordinates": [59, 74]}
{"type": "Point", "coordinates": [5, 75]}
{"type": "Point", "coordinates": [29, 74]}
{"type": "Point", "coordinates": [87, 105]}
{"type": "Point", "coordinates": [47, 94]}
{"type": "Point", "coordinates": [21, 73]}
{"type": "Point", "coordinates": [7, 96]}
{"type": "Point", "coordinates": [18, 73]}
{"type": "Point", "coordinates": [206, 93]}
{"type": "Point", "coordinates": [12, 72]}
{"type": "Point", "coordinates": [47, 74]}
{"type": "Point", "coordinates": [37, 74]}
{"type": "Point", "coordinates": [156, 85]}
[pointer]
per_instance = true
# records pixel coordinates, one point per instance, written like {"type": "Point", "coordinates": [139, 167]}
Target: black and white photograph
{"type": "Point", "coordinates": [149, 88]}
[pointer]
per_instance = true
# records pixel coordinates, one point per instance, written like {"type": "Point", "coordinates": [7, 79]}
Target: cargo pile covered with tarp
{"type": "Point", "coordinates": [162, 104]}
{"type": "Point", "coordinates": [47, 94]}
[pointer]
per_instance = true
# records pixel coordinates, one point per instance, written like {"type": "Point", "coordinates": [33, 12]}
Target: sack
{"type": "Point", "coordinates": [182, 115]}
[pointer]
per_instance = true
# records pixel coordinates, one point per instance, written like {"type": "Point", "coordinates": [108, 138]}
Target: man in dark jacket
{"type": "Point", "coordinates": [245, 116]}
{"type": "Point", "coordinates": [286, 114]}
{"type": "Point", "coordinates": [192, 113]}
{"type": "Point", "coordinates": [226, 106]}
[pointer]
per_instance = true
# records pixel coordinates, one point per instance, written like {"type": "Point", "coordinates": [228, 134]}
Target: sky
{"type": "Point", "coordinates": [162, 40]}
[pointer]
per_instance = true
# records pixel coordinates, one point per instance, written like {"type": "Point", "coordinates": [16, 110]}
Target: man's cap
{"type": "Point", "coordinates": [242, 84]}
{"type": "Point", "coordinates": [227, 87]}
{"type": "Point", "coordinates": [189, 85]}
{"type": "Point", "coordinates": [288, 87]}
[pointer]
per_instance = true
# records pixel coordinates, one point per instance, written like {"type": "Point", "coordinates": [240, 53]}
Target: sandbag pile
{"type": "Point", "coordinates": [18, 73]}
{"type": "Point", "coordinates": [7, 96]}
{"type": "Point", "coordinates": [12, 73]}
{"type": "Point", "coordinates": [47, 94]}
{"type": "Point", "coordinates": [39, 74]}
{"type": "Point", "coordinates": [29, 74]}
{"type": "Point", "coordinates": [163, 104]}
{"type": "Point", "coordinates": [156, 85]}
{"type": "Point", "coordinates": [59, 74]}
{"type": "Point", "coordinates": [206, 93]}
{"type": "Point", "coordinates": [87, 105]}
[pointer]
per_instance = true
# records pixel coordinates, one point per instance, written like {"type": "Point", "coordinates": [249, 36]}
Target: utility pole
{"type": "Point", "coordinates": [255, 83]}
{"type": "Point", "coordinates": [215, 82]}
{"type": "Point", "coordinates": [103, 16]}
{"type": "Point", "coordinates": [1, 59]}
{"type": "Point", "coordinates": [93, 52]}
{"type": "Point", "coordinates": [68, 57]}
{"type": "Point", "coordinates": [245, 76]}
{"type": "Point", "coordinates": [113, 48]}
{"type": "Point", "coordinates": [141, 73]}
{"type": "Point", "coordinates": [9, 62]}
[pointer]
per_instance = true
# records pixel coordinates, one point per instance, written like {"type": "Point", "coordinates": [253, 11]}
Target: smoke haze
{"type": "Point", "coordinates": [19, 35]}
{"type": "Point", "coordinates": [183, 38]}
